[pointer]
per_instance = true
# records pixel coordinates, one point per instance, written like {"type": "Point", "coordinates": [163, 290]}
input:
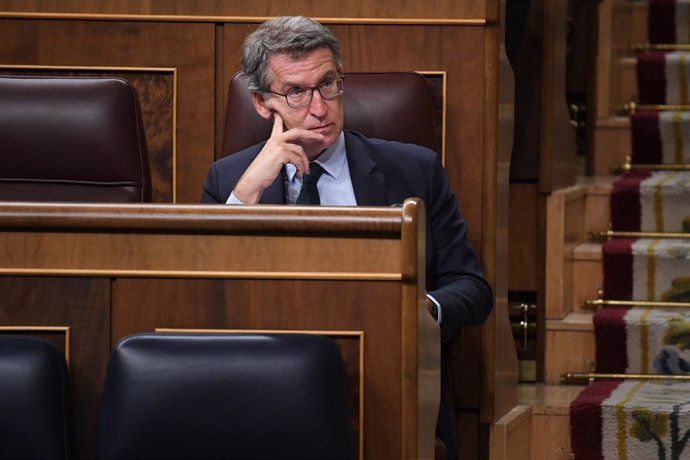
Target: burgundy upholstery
{"type": "Point", "coordinates": [395, 106]}
{"type": "Point", "coordinates": [71, 139]}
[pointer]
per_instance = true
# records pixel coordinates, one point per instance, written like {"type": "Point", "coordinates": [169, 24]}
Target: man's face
{"type": "Point", "coordinates": [322, 116]}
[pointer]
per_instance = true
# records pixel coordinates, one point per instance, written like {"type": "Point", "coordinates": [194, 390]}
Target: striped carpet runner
{"type": "Point", "coordinates": [660, 137]}
{"type": "Point", "coordinates": [643, 341]}
{"type": "Point", "coordinates": [651, 202]}
{"type": "Point", "coordinates": [663, 77]}
{"type": "Point", "coordinates": [669, 21]}
{"type": "Point", "coordinates": [631, 419]}
{"type": "Point", "coordinates": [647, 269]}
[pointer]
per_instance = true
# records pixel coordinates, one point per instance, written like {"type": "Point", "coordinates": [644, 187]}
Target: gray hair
{"type": "Point", "coordinates": [292, 35]}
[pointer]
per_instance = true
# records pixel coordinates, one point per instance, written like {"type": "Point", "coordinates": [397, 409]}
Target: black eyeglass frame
{"type": "Point", "coordinates": [340, 79]}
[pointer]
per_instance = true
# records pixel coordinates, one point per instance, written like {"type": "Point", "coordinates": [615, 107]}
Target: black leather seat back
{"type": "Point", "coordinates": [170, 396]}
{"type": "Point", "coordinates": [35, 421]}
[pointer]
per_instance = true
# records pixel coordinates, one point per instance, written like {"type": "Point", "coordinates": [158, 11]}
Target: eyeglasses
{"type": "Point", "coordinates": [297, 98]}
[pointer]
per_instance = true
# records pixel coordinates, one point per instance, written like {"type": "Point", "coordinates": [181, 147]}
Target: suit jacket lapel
{"type": "Point", "coordinates": [368, 183]}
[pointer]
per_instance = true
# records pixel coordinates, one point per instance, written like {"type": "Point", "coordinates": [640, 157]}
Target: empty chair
{"type": "Point", "coordinates": [35, 421]}
{"type": "Point", "coordinates": [72, 139]}
{"type": "Point", "coordinates": [229, 396]}
{"type": "Point", "coordinates": [396, 106]}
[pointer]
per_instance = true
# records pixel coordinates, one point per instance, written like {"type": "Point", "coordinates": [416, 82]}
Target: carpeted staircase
{"type": "Point", "coordinates": [646, 418]}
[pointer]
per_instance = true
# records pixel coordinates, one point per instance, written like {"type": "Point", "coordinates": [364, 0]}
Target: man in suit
{"type": "Point", "coordinates": [295, 78]}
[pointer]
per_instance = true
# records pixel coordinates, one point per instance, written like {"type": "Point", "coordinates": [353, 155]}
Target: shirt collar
{"type": "Point", "coordinates": [332, 159]}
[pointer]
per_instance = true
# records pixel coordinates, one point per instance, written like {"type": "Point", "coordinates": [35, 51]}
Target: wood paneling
{"type": "Point", "coordinates": [498, 346]}
{"type": "Point", "coordinates": [545, 141]}
{"type": "Point", "coordinates": [365, 289]}
{"type": "Point", "coordinates": [141, 305]}
{"type": "Point", "coordinates": [189, 48]}
{"type": "Point", "coordinates": [557, 143]}
{"type": "Point", "coordinates": [156, 90]}
{"type": "Point", "coordinates": [83, 305]}
{"type": "Point", "coordinates": [569, 346]}
{"type": "Point", "coordinates": [468, 9]}
{"type": "Point", "coordinates": [510, 436]}
{"type": "Point", "coordinates": [523, 237]}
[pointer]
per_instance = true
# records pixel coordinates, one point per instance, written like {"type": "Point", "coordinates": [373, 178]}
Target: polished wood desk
{"type": "Point", "coordinates": [97, 273]}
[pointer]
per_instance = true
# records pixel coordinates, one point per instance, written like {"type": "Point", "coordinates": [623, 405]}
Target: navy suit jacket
{"type": "Point", "coordinates": [385, 173]}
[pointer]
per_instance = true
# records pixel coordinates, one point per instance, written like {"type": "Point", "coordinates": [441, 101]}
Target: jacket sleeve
{"type": "Point", "coordinates": [454, 274]}
{"type": "Point", "coordinates": [211, 192]}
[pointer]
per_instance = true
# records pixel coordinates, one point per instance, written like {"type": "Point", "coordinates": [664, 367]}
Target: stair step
{"type": "Point", "coordinates": [611, 144]}
{"type": "Point", "coordinates": [597, 202]}
{"type": "Point", "coordinates": [639, 32]}
{"type": "Point", "coordinates": [662, 77]}
{"type": "Point", "coordinates": [651, 201]}
{"type": "Point", "coordinates": [587, 274]}
{"type": "Point", "coordinates": [631, 419]}
{"type": "Point", "coordinates": [569, 346]}
{"type": "Point", "coordinates": [642, 341]}
{"type": "Point", "coordinates": [635, 430]}
{"type": "Point", "coordinates": [627, 83]}
{"type": "Point", "coordinates": [538, 427]}
{"type": "Point", "coordinates": [614, 122]}
{"type": "Point", "coordinates": [548, 399]}
{"type": "Point", "coordinates": [572, 215]}
{"type": "Point", "coordinates": [659, 137]}
{"type": "Point", "coordinates": [549, 422]}
{"type": "Point", "coordinates": [575, 321]}
{"type": "Point", "coordinates": [589, 251]}
{"type": "Point", "coordinates": [664, 24]}
{"type": "Point", "coordinates": [646, 269]}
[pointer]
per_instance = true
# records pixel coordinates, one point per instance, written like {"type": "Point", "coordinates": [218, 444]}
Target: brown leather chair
{"type": "Point", "coordinates": [396, 106]}
{"type": "Point", "coordinates": [71, 139]}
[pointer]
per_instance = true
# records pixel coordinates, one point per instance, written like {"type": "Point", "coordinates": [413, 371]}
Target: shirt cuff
{"type": "Point", "coordinates": [438, 308]}
{"type": "Point", "coordinates": [232, 199]}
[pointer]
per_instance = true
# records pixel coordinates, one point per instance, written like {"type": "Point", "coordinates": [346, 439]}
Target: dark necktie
{"type": "Point", "coordinates": [309, 194]}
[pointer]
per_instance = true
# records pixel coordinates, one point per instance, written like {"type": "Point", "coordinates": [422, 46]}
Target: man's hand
{"type": "Point", "coordinates": [281, 148]}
